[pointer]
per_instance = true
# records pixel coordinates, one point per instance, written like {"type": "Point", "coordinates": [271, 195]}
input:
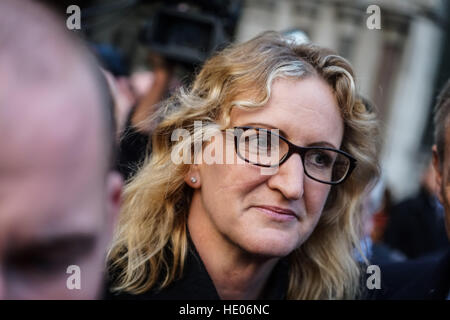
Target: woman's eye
{"type": "Point", "coordinates": [262, 141]}
{"type": "Point", "coordinates": [259, 141]}
{"type": "Point", "coordinates": [320, 159]}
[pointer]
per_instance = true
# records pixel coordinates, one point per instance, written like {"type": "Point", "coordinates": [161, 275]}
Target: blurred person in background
{"type": "Point", "coordinates": [227, 231]}
{"type": "Point", "coordinates": [428, 277]}
{"type": "Point", "coordinates": [415, 226]}
{"type": "Point", "coordinates": [135, 138]}
{"type": "Point", "coordinates": [117, 74]}
{"type": "Point", "coordinates": [375, 250]}
{"type": "Point", "coordinates": [136, 97]}
{"type": "Point", "coordinates": [381, 216]}
{"type": "Point", "coordinates": [59, 195]}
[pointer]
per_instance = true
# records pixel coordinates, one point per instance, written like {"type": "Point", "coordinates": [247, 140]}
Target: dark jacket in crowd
{"type": "Point", "coordinates": [134, 146]}
{"type": "Point", "coordinates": [416, 226]}
{"type": "Point", "coordinates": [421, 279]}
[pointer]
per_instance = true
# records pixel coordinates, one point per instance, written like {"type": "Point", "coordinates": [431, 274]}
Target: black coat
{"type": "Point", "coordinates": [416, 226]}
{"type": "Point", "coordinates": [196, 284]}
{"type": "Point", "coordinates": [133, 148]}
{"type": "Point", "coordinates": [422, 279]}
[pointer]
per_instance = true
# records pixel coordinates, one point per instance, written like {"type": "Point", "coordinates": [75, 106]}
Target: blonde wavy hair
{"type": "Point", "coordinates": [150, 244]}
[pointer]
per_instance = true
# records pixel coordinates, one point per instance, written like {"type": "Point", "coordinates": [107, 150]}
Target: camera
{"type": "Point", "coordinates": [189, 32]}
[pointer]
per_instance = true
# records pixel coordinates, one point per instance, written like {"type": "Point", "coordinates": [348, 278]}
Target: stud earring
{"type": "Point", "coordinates": [193, 180]}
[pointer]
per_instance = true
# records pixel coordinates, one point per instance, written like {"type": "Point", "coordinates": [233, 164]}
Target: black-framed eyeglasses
{"type": "Point", "coordinates": [264, 148]}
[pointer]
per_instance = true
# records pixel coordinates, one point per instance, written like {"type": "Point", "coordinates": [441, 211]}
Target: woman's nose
{"type": "Point", "coordinates": [289, 178]}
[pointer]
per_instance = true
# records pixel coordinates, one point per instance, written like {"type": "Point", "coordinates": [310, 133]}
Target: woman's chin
{"type": "Point", "coordinates": [272, 246]}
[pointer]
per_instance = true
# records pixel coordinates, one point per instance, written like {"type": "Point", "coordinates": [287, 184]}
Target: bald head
{"type": "Point", "coordinates": [58, 194]}
{"type": "Point", "coordinates": [40, 57]}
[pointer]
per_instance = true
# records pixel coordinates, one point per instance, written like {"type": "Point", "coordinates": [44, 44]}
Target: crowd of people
{"type": "Point", "coordinates": [123, 187]}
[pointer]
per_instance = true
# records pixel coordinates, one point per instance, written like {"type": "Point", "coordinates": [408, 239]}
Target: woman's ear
{"type": "Point", "coordinates": [192, 178]}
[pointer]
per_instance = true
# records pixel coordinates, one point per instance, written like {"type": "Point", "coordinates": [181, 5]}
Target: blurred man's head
{"type": "Point", "coordinates": [58, 192]}
{"type": "Point", "coordinates": [441, 149]}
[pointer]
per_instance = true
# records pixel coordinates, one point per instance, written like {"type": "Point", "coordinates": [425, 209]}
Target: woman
{"type": "Point", "coordinates": [231, 229]}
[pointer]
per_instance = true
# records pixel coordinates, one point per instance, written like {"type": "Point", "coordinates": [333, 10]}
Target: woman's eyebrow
{"type": "Point", "coordinates": [282, 133]}
{"type": "Point", "coordinates": [264, 126]}
{"type": "Point", "coordinates": [322, 144]}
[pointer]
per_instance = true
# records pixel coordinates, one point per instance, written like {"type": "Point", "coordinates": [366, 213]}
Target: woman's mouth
{"type": "Point", "coordinates": [278, 213]}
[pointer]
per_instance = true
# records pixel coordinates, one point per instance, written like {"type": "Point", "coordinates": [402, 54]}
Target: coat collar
{"type": "Point", "coordinates": [197, 284]}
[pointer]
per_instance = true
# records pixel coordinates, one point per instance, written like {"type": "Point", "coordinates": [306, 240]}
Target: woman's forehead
{"type": "Point", "coordinates": [307, 104]}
